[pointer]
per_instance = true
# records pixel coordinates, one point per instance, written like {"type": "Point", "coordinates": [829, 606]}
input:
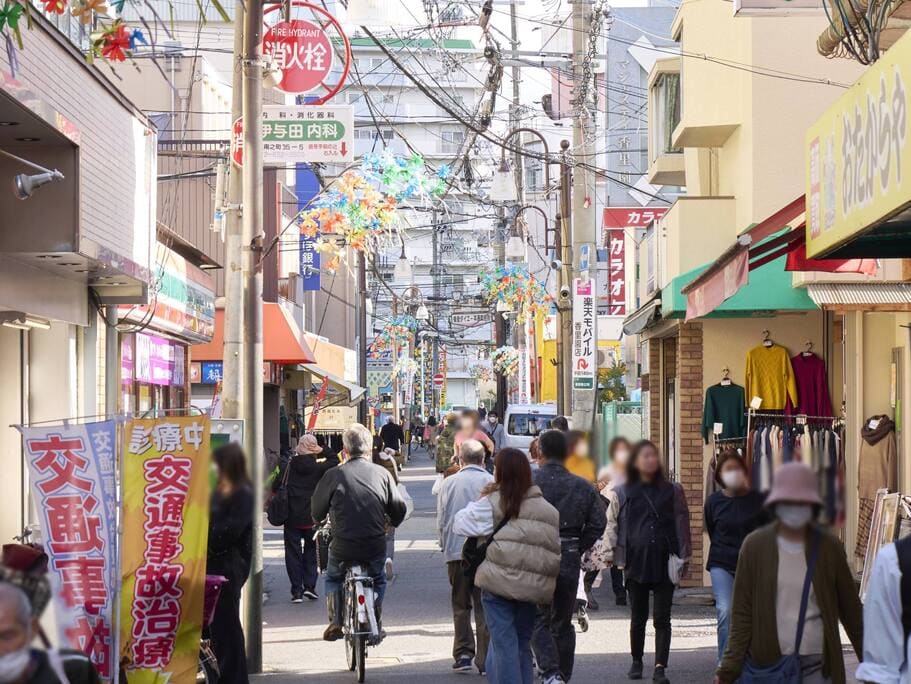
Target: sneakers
{"type": "Point", "coordinates": [463, 664]}
{"type": "Point", "coordinates": [555, 679]}
{"type": "Point", "coordinates": [333, 633]}
{"type": "Point", "coordinates": [659, 677]}
{"type": "Point", "coordinates": [297, 597]}
{"type": "Point", "coordinates": [635, 670]}
{"type": "Point", "coordinates": [388, 568]}
{"type": "Point", "coordinates": [310, 594]}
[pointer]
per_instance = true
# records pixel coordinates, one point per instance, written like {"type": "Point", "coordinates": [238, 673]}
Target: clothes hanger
{"type": "Point", "coordinates": [807, 348]}
{"type": "Point", "coordinates": [726, 376]}
{"type": "Point", "coordinates": [766, 340]}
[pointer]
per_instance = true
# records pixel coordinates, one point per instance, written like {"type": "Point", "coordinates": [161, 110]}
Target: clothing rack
{"type": "Point", "coordinates": [798, 418]}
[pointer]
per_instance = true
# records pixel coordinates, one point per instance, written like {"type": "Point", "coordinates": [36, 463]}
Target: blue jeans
{"type": "Point", "coordinates": [375, 568]}
{"type": "Point", "coordinates": [722, 589]}
{"type": "Point", "coordinates": [510, 624]}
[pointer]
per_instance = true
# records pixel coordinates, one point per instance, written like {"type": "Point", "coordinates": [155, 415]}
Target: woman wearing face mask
{"type": "Point", "coordinates": [615, 477]}
{"type": "Point", "coordinates": [768, 589]}
{"type": "Point", "coordinates": [731, 513]}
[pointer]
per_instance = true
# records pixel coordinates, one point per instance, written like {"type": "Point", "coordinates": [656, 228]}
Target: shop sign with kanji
{"type": "Point", "coordinates": [584, 335]}
{"type": "Point", "coordinates": [71, 469]}
{"type": "Point", "coordinates": [307, 134]}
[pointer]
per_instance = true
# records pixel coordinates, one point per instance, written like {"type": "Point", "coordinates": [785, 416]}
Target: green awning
{"type": "Point", "coordinates": [769, 291]}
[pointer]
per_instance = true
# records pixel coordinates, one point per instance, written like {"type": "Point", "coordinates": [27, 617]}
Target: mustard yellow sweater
{"type": "Point", "coordinates": [770, 376]}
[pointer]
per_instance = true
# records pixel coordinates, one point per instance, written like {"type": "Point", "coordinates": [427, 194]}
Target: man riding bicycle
{"type": "Point", "coordinates": [359, 497]}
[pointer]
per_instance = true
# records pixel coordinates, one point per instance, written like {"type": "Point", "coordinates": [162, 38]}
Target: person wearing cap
{"type": "Point", "coordinates": [768, 589]}
{"type": "Point", "coordinates": [307, 467]}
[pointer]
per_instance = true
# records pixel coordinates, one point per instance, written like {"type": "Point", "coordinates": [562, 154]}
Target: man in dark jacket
{"type": "Point", "coordinates": [304, 471]}
{"type": "Point", "coordinates": [392, 435]}
{"type": "Point", "coordinates": [582, 522]}
{"type": "Point", "coordinates": [359, 497]}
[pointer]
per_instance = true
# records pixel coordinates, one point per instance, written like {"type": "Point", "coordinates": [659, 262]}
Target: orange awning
{"type": "Point", "coordinates": [282, 339]}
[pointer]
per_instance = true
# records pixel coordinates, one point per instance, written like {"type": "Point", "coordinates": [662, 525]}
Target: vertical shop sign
{"type": "Point", "coordinates": [442, 364]}
{"type": "Point", "coordinates": [309, 262]}
{"type": "Point", "coordinates": [583, 356]}
{"type": "Point", "coordinates": [165, 527]}
{"type": "Point", "coordinates": [616, 272]}
{"type": "Point", "coordinates": [71, 472]}
{"type": "Point", "coordinates": [314, 412]}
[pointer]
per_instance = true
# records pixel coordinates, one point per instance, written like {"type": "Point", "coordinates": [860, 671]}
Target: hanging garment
{"type": "Point", "coordinates": [877, 465]}
{"type": "Point", "coordinates": [812, 386]}
{"type": "Point", "coordinates": [864, 520]}
{"type": "Point", "coordinates": [769, 376]}
{"type": "Point", "coordinates": [724, 404]}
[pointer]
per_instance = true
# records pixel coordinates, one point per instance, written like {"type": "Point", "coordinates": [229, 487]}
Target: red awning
{"type": "Point", "coordinates": [282, 339]}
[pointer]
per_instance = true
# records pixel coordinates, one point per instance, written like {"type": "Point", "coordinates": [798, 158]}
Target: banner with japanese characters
{"type": "Point", "coordinates": [165, 475]}
{"type": "Point", "coordinates": [71, 472]}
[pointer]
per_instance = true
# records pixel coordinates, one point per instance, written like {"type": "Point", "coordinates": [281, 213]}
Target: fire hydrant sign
{"type": "Point", "coordinates": [584, 340]}
{"type": "Point", "coordinates": [302, 51]}
{"type": "Point", "coordinates": [307, 133]}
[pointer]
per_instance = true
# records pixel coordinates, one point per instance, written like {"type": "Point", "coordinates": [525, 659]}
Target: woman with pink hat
{"type": "Point", "coordinates": [792, 588]}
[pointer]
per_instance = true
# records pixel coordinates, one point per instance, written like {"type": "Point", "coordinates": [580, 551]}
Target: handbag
{"type": "Point", "coordinates": [675, 563]}
{"type": "Point", "coordinates": [279, 509]}
{"type": "Point", "coordinates": [474, 552]}
{"type": "Point", "coordinates": [787, 670]}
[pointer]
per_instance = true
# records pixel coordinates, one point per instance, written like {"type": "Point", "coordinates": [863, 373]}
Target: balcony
{"type": "Point", "coordinates": [665, 165]}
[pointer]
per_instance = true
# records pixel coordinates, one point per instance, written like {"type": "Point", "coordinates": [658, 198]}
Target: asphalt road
{"type": "Point", "coordinates": [417, 619]}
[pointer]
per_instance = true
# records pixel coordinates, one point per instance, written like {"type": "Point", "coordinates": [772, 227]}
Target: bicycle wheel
{"type": "Point", "coordinates": [360, 648]}
{"type": "Point", "coordinates": [351, 637]}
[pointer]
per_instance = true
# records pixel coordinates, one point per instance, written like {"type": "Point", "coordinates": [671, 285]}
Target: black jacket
{"type": "Point", "coordinates": [76, 666]}
{"type": "Point", "coordinates": [231, 535]}
{"type": "Point", "coordinates": [306, 472]}
{"type": "Point", "coordinates": [358, 496]}
{"type": "Point", "coordinates": [392, 435]}
{"type": "Point", "coordinates": [582, 514]}
{"type": "Point", "coordinates": [728, 520]}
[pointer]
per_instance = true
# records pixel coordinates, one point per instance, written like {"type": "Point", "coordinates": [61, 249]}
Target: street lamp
{"type": "Point", "coordinates": [422, 314]}
{"type": "Point", "coordinates": [503, 187]}
{"type": "Point", "coordinates": [402, 267]}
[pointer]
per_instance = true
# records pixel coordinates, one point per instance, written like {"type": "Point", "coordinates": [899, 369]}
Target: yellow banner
{"type": "Point", "coordinates": [163, 557]}
{"type": "Point", "coordinates": [858, 161]}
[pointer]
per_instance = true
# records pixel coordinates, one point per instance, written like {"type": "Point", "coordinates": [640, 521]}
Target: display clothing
{"type": "Point", "coordinates": [724, 404]}
{"type": "Point", "coordinates": [769, 375]}
{"type": "Point", "coordinates": [877, 467]}
{"type": "Point", "coordinates": [812, 386]}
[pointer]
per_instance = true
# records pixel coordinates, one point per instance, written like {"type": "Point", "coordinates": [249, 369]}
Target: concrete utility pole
{"type": "Point", "coordinates": [583, 197]}
{"type": "Point", "coordinates": [252, 244]}
{"type": "Point", "coordinates": [435, 354]}
{"type": "Point", "coordinates": [232, 371]}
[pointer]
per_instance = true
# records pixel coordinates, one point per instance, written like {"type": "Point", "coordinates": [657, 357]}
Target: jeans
{"type": "Point", "coordinates": [300, 562]}
{"type": "Point", "coordinates": [555, 637]}
{"type": "Point", "coordinates": [722, 589]}
{"type": "Point", "coordinates": [390, 543]}
{"type": "Point", "coordinates": [509, 655]}
{"type": "Point", "coordinates": [375, 568]}
{"type": "Point", "coordinates": [466, 596]}
{"type": "Point", "coordinates": [661, 617]}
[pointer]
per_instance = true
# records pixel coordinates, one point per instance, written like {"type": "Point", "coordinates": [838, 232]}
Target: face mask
{"type": "Point", "coordinates": [732, 479]}
{"type": "Point", "coordinates": [12, 665]}
{"type": "Point", "coordinates": [621, 456]}
{"type": "Point", "coordinates": [794, 516]}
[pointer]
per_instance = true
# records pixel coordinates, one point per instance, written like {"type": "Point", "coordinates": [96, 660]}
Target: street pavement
{"type": "Point", "coordinates": [418, 621]}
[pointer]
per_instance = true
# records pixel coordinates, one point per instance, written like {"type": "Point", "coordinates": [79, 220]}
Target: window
{"type": "Point", "coordinates": [527, 424]}
{"type": "Point", "coordinates": [372, 134]}
{"type": "Point", "coordinates": [667, 113]}
{"type": "Point", "coordinates": [452, 141]}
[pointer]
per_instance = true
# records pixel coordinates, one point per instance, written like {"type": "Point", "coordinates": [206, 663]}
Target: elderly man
{"type": "Point", "coordinates": [457, 492]}
{"type": "Point", "coordinates": [21, 663]}
{"type": "Point", "coordinates": [358, 496]}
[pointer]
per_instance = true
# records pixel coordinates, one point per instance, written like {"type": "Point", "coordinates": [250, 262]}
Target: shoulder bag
{"type": "Point", "coordinates": [474, 551]}
{"type": "Point", "coordinates": [279, 509]}
{"type": "Point", "coordinates": [674, 562]}
{"type": "Point", "coordinates": [787, 670]}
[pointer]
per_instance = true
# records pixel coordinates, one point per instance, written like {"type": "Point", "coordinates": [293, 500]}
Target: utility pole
{"type": "Point", "coordinates": [583, 196]}
{"type": "Point", "coordinates": [232, 373]}
{"type": "Point", "coordinates": [252, 245]}
{"type": "Point", "coordinates": [435, 277]}
{"type": "Point", "coordinates": [362, 335]}
{"type": "Point", "coordinates": [564, 286]}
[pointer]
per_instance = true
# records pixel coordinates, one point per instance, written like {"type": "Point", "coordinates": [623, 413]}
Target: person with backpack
{"type": "Point", "coordinates": [792, 587]}
{"type": "Point", "coordinates": [887, 617]}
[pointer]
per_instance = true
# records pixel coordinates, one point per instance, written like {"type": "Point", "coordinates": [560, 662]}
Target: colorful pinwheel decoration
{"type": "Point", "coordinates": [405, 368]}
{"type": "Point", "coordinates": [398, 332]}
{"type": "Point", "coordinates": [517, 289]}
{"type": "Point", "coordinates": [404, 177]}
{"type": "Point", "coordinates": [54, 6]}
{"type": "Point", "coordinates": [83, 10]}
{"type": "Point", "coordinates": [9, 18]}
{"type": "Point", "coordinates": [505, 360]}
{"type": "Point", "coordinates": [480, 373]}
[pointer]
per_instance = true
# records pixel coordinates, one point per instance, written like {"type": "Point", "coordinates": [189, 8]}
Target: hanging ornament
{"type": "Point", "coordinates": [114, 42]}
{"type": "Point", "coordinates": [513, 288]}
{"type": "Point", "coordinates": [398, 332]}
{"type": "Point", "coordinates": [405, 368]}
{"type": "Point", "coordinates": [505, 360]}
{"type": "Point", "coordinates": [480, 373]}
{"type": "Point", "coordinates": [10, 14]}
{"type": "Point", "coordinates": [54, 6]}
{"type": "Point", "coordinates": [83, 9]}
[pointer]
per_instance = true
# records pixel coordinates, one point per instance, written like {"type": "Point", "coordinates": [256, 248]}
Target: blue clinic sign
{"type": "Point", "coordinates": [210, 372]}
{"type": "Point", "coordinates": [308, 187]}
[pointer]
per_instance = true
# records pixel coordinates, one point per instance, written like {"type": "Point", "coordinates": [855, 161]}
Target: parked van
{"type": "Point", "coordinates": [523, 422]}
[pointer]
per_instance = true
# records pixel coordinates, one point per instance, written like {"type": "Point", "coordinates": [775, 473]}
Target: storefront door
{"type": "Point", "coordinates": [670, 428]}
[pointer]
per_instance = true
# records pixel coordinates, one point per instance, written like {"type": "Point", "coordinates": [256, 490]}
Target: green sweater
{"type": "Point", "coordinates": [724, 404]}
{"type": "Point", "coordinates": [754, 625]}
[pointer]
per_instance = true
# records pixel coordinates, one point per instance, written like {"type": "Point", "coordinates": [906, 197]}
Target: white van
{"type": "Point", "coordinates": [523, 422]}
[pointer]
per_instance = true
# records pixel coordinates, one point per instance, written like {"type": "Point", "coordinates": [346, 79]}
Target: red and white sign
{"type": "Point", "coordinates": [631, 217]}
{"type": "Point", "coordinates": [616, 271]}
{"type": "Point", "coordinates": [438, 380]}
{"type": "Point", "coordinates": [237, 142]}
{"type": "Point", "coordinates": [302, 51]}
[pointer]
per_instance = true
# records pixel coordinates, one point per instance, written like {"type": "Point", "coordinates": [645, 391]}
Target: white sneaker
{"type": "Point", "coordinates": [388, 568]}
{"type": "Point", "coordinates": [555, 679]}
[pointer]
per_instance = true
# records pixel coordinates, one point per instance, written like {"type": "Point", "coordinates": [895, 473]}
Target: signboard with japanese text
{"type": "Point", "coordinates": [304, 133]}
{"type": "Point", "coordinates": [309, 263]}
{"type": "Point", "coordinates": [615, 240]}
{"type": "Point", "coordinates": [302, 51]}
{"type": "Point", "coordinates": [858, 157]}
{"type": "Point", "coordinates": [584, 362]}
{"type": "Point", "coordinates": [71, 471]}
{"type": "Point", "coordinates": [165, 476]}
{"type": "Point", "coordinates": [631, 217]}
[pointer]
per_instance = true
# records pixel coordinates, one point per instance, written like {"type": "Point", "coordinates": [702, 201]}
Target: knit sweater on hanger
{"type": "Point", "coordinates": [769, 375]}
{"type": "Point", "coordinates": [812, 385]}
{"type": "Point", "coordinates": [724, 404]}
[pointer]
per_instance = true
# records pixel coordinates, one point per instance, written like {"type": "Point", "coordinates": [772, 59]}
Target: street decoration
{"type": "Point", "coordinates": [71, 470]}
{"type": "Point", "coordinates": [10, 14]}
{"type": "Point", "coordinates": [165, 476]}
{"type": "Point", "coordinates": [514, 287]}
{"type": "Point", "coordinates": [405, 368]}
{"type": "Point", "coordinates": [303, 51]}
{"type": "Point", "coordinates": [480, 373]}
{"type": "Point", "coordinates": [397, 332]}
{"type": "Point", "coordinates": [505, 360]}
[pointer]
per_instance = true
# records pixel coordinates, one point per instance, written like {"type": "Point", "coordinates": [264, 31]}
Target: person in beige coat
{"type": "Point", "coordinates": [521, 566]}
